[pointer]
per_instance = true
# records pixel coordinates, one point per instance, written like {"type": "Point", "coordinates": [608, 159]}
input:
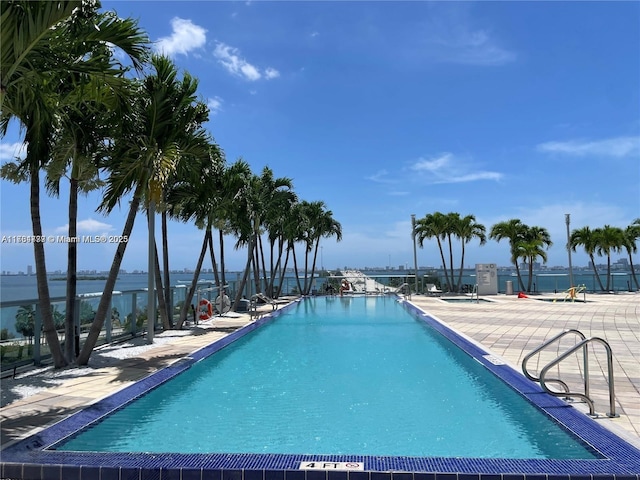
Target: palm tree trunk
{"type": "Point", "coordinates": [264, 267]}
{"type": "Point", "coordinates": [595, 270]}
{"type": "Point", "coordinates": [451, 260]}
{"type": "Point", "coordinates": [282, 273]}
{"type": "Point", "coordinates": [461, 268]}
{"type": "Point", "coordinates": [214, 264]}
{"type": "Point", "coordinates": [194, 282]}
{"type": "Point", "coordinates": [295, 268]}
{"type": "Point", "coordinates": [165, 267]}
{"type": "Point", "coordinates": [444, 264]}
{"type": "Point", "coordinates": [243, 282]}
{"type": "Point", "coordinates": [306, 269]}
{"type": "Point", "coordinates": [633, 271]}
{"type": "Point", "coordinates": [72, 274]}
{"type": "Point", "coordinates": [530, 275]}
{"type": "Point", "coordinates": [274, 270]}
{"type": "Point", "coordinates": [41, 274]}
{"type": "Point", "coordinates": [520, 282]}
{"type": "Point", "coordinates": [313, 264]}
{"type": "Point", "coordinates": [167, 323]}
{"type": "Point", "coordinates": [608, 272]}
{"type": "Point", "coordinates": [107, 294]}
{"type": "Point", "coordinates": [223, 277]}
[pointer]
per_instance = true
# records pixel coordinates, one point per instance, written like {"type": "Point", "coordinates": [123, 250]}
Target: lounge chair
{"type": "Point", "coordinates": [431, 289]}
{"type": "Point", "coordinates": [261, 297]}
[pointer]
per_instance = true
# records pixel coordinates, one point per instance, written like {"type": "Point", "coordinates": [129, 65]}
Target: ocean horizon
{"type": "Point", "coordinates": [15, 287]}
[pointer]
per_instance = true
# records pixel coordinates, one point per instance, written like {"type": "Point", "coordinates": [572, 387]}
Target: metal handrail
{"type": "Point", "coordinates": [585, 353]}
{"type": "Point", "coordinates": [564, 386]}
{"type": "Point", "coordinates": [584, 345]}
{"type": "Point", "coordinates": [475, 291]}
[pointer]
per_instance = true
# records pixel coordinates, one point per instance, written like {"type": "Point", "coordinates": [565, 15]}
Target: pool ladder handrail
{"type": "Point", "coordinates": [475, 292]}
{"type": "Point", "coordinates": [583, 344]}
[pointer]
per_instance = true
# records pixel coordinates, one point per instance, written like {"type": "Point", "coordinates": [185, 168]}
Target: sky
{"type": "Point", "coordinates": [500, 110]}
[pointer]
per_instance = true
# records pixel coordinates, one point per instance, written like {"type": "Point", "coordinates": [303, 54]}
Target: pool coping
{"type": "Point", "coordinates": [32, 458]}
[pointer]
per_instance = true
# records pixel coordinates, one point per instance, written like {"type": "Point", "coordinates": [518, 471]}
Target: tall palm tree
{"type": "Point", "coordinates": [323, 225]}
{"type": "Point", "coordinates": [296, 227]}
{"type": "Point", "coordinates": [609, 239]}
{"type": "Point", "coordinates": [195, 196]}
{"type": "Point", "coordinates": [43, 45]}
{"type": "Point", "coordinates": [631, 236]}
{"type": "Point", "coordinates": [276, 224]}
{"type": "Point", "coordinates": [434, 225]}
{"type": "Point", "coordinates": [536, 240]}
{"type": "Point", "coordinates": [452, 221]}
{"type": "Point", "coordinates": [466, 229]}
{"type": "Point", "coordinates": [166, 127]}
{"type": "Point", "coordinates": [586, 238]}
{"type": "Point", "coordinates": [87, 122]}
{"type": "Point", "coordinates": [514, 231]}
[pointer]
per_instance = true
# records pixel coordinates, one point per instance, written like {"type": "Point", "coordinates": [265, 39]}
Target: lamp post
{"type": "Point", "coordinates": [567, 220]}
{"type": "Point", "coordinates": [415, 253]}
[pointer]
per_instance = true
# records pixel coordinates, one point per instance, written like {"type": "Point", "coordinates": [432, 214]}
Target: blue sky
{"type": "Point", "coordinates": [526, 110]}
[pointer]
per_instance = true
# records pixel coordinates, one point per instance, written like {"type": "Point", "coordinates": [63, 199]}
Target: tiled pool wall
{"type": "Point", "coordinates": [35, 457]}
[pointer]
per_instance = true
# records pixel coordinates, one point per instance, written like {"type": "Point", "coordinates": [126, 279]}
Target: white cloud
{"type": "Point", "coordinates": [381, 176]}
{"type": "Point", "coordinates": [229, 58]}
{"type": "Point", "coordinates": [446, 168]}
{"type": "Point", "coordinates": [314, 34]}
{"type": "Point", "coordinates": [215, 105]}
{"type": "Point", "coordinates": [185, 37]}
{"type": "Point", "coordinates": [87, 226]}
{"type": "Point", "coordinates": [10, 151]}
{"type": "Point", "coordinates": [451, 38]}
{"type": "Point", "coordinates": [610, 147]}
{"type": "Point", "coordinates": [270, 73]}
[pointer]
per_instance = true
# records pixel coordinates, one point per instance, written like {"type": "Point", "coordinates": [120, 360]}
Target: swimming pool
{"type": "Point", "coordinates": [35, 457]}
{"type": "Point", "coordinates": [350, 375]}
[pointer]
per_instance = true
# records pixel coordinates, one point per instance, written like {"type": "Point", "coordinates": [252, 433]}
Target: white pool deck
{"type": "Point", "coordinates": [507, 326]}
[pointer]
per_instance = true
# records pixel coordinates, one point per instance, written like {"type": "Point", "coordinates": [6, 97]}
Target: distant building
{"type": "Point", "coordinates": [29, 269]}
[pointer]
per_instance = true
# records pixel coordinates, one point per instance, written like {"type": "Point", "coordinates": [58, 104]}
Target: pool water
{"type": "Point", "coordinates": [336, 376]}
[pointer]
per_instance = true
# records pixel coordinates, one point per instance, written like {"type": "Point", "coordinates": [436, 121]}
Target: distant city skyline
{"type": "Point", "coordinates": [616, 265]}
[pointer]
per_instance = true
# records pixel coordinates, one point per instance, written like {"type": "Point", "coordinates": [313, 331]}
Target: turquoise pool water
{"type": "Point", "coordinates": [336, 376]}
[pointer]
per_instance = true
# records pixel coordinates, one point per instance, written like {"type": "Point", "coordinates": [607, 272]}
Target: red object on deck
{"type": "Point", "coordinates": [522, 295]}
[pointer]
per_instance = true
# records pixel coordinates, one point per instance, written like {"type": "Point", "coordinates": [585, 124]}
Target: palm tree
{"type": "Point", "coordinates": [276, 226]}
{"type": "Point", "coordinates": [166, 127]}
{"type": "Point", "coordinates": [322, 225]}
{"type": "Point", "coordinates": [631, 236]}
{"type": "Point", "coordinates": [514, 231]}
{"type": "Point", "coordinates": [194, 196]}
{"type": "Point", "coordinates": [609, 239]}
{"type": "Point", "coordinates": [79, 144]}
{"type": "Point", "coordinates": [532, 246]}
{"type": "Point", "coordinates": [296, 226]}
{"type": "Point", "coordinates": [28, 39]}
{"type": "Point", "coordinates": [588, 239]}
{"type": "Point", "coordinates": [43, 45]}
{"type": "Point", "coordinates": [434, 225]}
{"type": "Point", "coordinates": [466, 229]}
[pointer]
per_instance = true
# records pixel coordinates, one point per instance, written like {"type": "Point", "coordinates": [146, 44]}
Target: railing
{"type": "Point", "coordinates": [22, 341]}
{"type": "Point", "coordinates": [584, 345]}
{"type": "Point", "coordinates": [474, 292]}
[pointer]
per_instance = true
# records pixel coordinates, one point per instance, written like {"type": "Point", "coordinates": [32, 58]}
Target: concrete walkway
{"type": "Point", "coordinates": [507, 326]}
{"type": "Point", "coordinates": [511, 327]}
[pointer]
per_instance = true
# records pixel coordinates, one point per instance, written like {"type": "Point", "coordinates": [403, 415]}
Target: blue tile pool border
{"type": "Point", "coordinates": [34, 458]}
